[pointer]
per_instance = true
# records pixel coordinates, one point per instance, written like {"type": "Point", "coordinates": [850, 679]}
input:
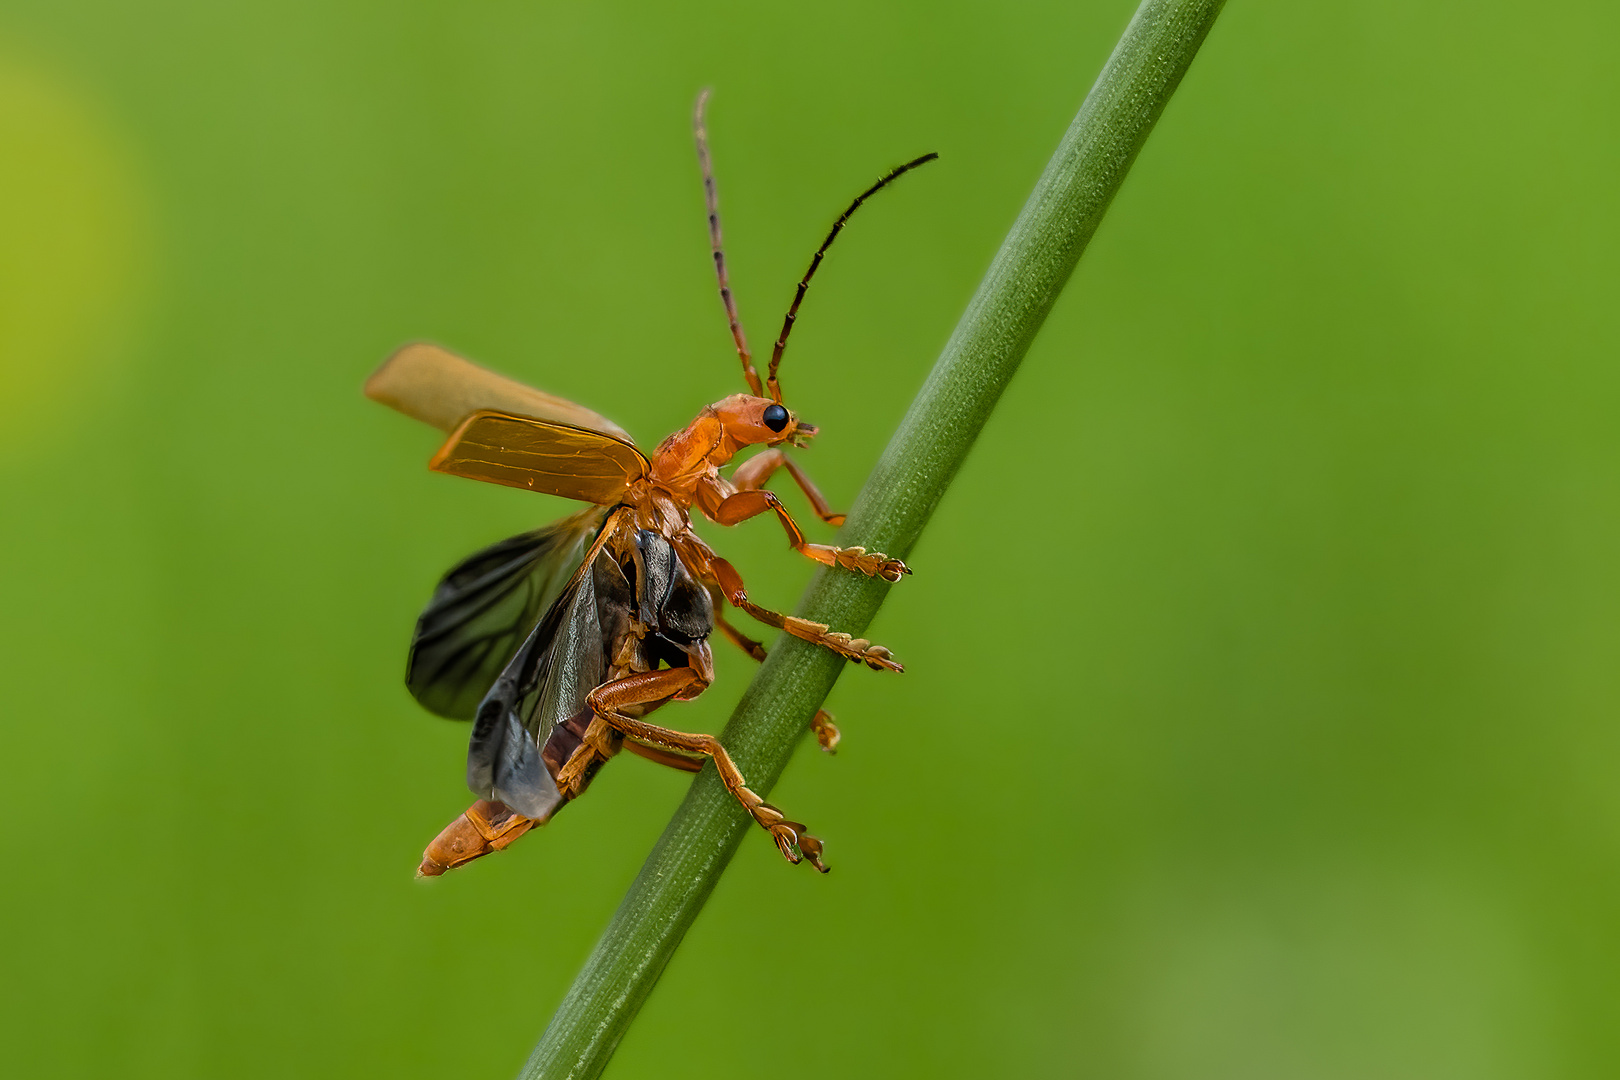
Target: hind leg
{"type": "Point", "coordinates": [606, 702]}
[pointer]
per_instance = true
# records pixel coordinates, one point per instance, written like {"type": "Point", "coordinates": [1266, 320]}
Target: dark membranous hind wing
{"type": "Point", "coordinates": [486, 606]}
{"type": "Point", "coordinates": [560, 663]}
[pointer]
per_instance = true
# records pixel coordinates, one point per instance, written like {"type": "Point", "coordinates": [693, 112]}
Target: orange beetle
{"type": "Point", "coordinates": [557, 643]}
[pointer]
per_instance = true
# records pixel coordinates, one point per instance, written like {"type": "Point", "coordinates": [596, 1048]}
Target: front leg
{"type": "Point", "coordinates": [757, 471]}
{"type": "Point", "coordinates": [732, 507]}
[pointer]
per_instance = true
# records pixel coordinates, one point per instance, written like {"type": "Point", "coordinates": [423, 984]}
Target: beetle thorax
{"type": "Point", "coordinates": [719, 432]}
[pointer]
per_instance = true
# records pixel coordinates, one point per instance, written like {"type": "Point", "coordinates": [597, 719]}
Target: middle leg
{"type": "Point", "coordinates": [822, 724]}
{"type": "Point", "coordinates": [747, 644]}
{"type": "Point", "coordinates": [854, 649]}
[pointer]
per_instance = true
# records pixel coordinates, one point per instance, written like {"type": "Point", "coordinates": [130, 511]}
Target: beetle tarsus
{"type": "Point", "coordinates": [854, 649]}
{"type": "Point", "coordinates": [795, 844]}
{"type": "Point", "coordinates": [871, 563]}
{"type": "Point", "coordinates": [827, 733]}
{"type": "Point", "coordinates": [811, 847]}
{"type": "Point", "coordinates": [857, 650]}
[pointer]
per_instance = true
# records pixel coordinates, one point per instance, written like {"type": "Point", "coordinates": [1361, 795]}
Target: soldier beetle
{"type": "Point", "coordinates": [558, 643]}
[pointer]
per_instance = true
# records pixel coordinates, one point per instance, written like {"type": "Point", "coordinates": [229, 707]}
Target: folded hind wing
{"type": "Point", "coordinates": [546, 683]}
{"type": "Point", "coordinates": [484, 609]}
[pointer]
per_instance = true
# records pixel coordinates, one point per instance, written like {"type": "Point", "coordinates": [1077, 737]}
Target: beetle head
{"type": "Point", "coordinates": [751, 420]}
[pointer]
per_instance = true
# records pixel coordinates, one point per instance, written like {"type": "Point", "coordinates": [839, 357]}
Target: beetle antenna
{"type": "Point", "coordinates": [702, 135]}
{"type": "Point", "coordinates": [804, 284]}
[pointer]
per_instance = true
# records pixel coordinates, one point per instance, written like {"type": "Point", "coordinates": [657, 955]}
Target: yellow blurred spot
{"type": "Point", "coordinates": [69, 229]}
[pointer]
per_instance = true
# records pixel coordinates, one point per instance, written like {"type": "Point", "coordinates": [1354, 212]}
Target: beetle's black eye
{"type": "Point", "coordinates": [775, 417]}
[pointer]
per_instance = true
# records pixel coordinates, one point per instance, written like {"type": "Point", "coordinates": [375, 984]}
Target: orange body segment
{"type": "Point", "coordinates": [482, 828]}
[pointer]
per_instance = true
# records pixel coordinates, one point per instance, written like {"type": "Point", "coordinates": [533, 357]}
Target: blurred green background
{"type": "Point", "coordinates": [1260, 718]}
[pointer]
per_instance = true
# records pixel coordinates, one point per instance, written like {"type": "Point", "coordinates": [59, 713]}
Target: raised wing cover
{"type": "Point", "coordinates": [539, 456]}
{"type": "Point", "coordinates": [438, 387]}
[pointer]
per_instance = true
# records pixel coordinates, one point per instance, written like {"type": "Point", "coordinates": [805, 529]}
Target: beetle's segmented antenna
{"type": "Point", "coordinates": [804, 284]}
{"type": "Point", "coordinates": [702, 135]}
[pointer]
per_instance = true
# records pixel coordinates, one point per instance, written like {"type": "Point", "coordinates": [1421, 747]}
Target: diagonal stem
{"type": "Point", "coordinates": [1008, 309]}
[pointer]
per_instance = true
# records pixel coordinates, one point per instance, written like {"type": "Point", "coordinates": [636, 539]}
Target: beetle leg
{"type": "Point", "coordinates": [822, 723]}
{"type": "Point", "coordinates": [742, 505]}
{"type": "Point", "coordinates": [857, 650]}
{"type": "Point", "coordinates": [827, 733]}
{"type": "Point", "coordinates": [826, 730]}
{"type": "Point", "coordinates": [735, 636]}
{"type": "Point", "coordinates": [870, 563]}
{"type": "Point", "coordinates": [597, 744]}
{"type": "Point", "coordinates": [683, 762]}
{"type": "Point", "coordinates": [753, 474]}
{"type": "Point", "coordinates": [648, 686]}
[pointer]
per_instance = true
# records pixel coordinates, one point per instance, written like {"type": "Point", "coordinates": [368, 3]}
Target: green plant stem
{"type": "Point", "coordinates": [933, 440]}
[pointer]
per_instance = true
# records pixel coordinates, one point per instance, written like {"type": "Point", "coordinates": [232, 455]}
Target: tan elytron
{"type": "Point", "coordinates": [538, 455]}
{"type": "Point", "coordinates": [439, 388]}
{"type": "Point", "coordinates": [505, 433]}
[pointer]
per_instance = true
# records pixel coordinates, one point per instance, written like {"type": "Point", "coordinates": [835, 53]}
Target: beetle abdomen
{"type": "Point", "coordinates": [669, 599]}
